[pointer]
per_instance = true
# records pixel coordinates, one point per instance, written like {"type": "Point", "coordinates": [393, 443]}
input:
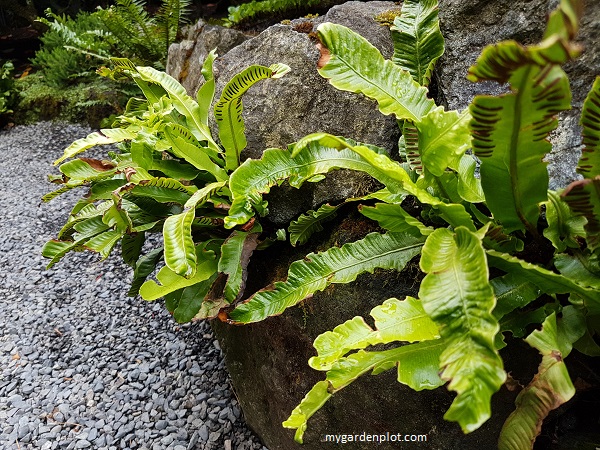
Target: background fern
{"type": "Point", "coordinates": [141, 37]}
{"type": "Point", "coordinates": [72, 48]}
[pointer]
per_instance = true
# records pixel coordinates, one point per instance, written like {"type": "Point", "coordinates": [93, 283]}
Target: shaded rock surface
{"type": "Point", "coordinates": [268, 364]}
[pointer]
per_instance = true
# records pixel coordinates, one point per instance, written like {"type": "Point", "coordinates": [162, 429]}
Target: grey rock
{"type": "Point", "coordinates": [185, 58]}
{"type": "Point", "coordinates": [161, 425]}
{"type": "Point", "coordinates": [279, 112]}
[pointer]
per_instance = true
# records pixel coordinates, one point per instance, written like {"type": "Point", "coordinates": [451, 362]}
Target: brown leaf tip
{"type": "Point", "coordinates": [325, 55]}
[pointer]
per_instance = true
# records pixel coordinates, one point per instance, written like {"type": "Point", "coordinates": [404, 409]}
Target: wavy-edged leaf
{"type": "Point", "coordinates": [64, 188]}
{"type": "Point", "coordinates": [103, 243]}
{"type": "Point", "coordinates": [256, 177]}
{"type": "Point", "coordinates": [88, 228]}
{"type": "Point", "coordinates": [163, 190]}
{"type": "Point", "coordinates": [131, 247]}
{"type": "Point", "coordinates": [512, 292]}
{"type": "Point", "coordinates": [509, 136]}
{"type": "Point", "coordinates": [551, 386]}
{"type": "Point", "coordinates": [408, 146]}
{"type": "Point", "coordinates": [587, 344]}
{"type": "Point", "coordinates": [418, 41]}
{"type": "Point", "coordinates": [180, 252]}
{"type": "Point", "coordinates": [563, 226]}
{"type": "Point", "coordinates": [175, 169]}
{"type": "Point", "coordinates": [191, 299]}
{"type": "Point", "coordinates": [352, 64]}
{"type": "Point", "coordinates": [194, 155]}
{"type": "Point", "coordinates": [394, 176]}
{"type": "Point", "coordinates": [579, 267]}
{"type": "Point", "coordinates": [142, 154]}
{"type": "Point", "coordinates": [549, 282]}
{"type": "Point", "coordinates": [183, 103]}
{"type": "Point", "coordinates": [86, 212]}
{"type": "Point", "coordinates": [353, 334]}
{"type": "Point", "coordinates": [310, 404]}
{"type": "Point", "coordinates": [235, 256]}
{"type": "Point", "coordinates": [144, 266]}
{"type": "Point", "coordinates": [117, 218]}
{"type": "Point", "coordinates": [518, 322]}
{"type": "Point", "coordinates": [417, 368]}
{"type": "Point", "coordinates": [83, 229]}
{"type": "Point", "coordinates": [82, 169]}
{"type": "Point", "coordinates": [496, 239]}
{"type": "Point", "coordinates": [309, 223]}
{"type": "Point", "coordinates": [469, 186]}
{"type": "Point", "coordinates": [170, 282]}
{"type": "Point", "coordinates": [206, 92]}
{"type": "Point", "coordinates": [583, 197]}
{"type": "Point", "coordinates": [390, 173]}
{"type": "Point", "coordinates": [394, 218]}
{"type": "Point", "coordinates": [104, 137]}
{"type": "Point", "coordinates": [418, 365]}
{"type": "Point", "coordinates": [443, 138]}
{"type": "Point", "coordinates": [336, 265]}
{"type": "Point", "coordinates": [395, 320]}
{"type": "Point", "coordinates": [403, 320]}
{"type": "Point", "coordinates": [458, 297]}
{"type": "Point", "coordinates": [228, 110]}
{"type": "Point", "coordinates": [55, 250]}
{"type": "Point", "coordinates": [589, 163]}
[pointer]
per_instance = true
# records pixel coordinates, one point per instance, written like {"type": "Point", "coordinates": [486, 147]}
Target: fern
{"type": "Point", "coordinates": [145, 38]}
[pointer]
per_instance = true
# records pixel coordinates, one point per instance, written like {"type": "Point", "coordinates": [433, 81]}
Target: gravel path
{"type": "Point", "coordinates": [81, 364]}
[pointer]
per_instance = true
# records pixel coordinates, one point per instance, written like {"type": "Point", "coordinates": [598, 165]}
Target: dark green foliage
{"type": "Point", "coordinates": [142, 37]}
{"type": "Point", "coordinates": [73, 48]}
{"type": "Point", "coordinates": [7, 94]}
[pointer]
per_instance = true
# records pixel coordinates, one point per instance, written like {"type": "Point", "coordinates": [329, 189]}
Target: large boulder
{"type": "Point", "coordinates": [268, 360]}
{"type": "Point", "coordinates": [279, 112]}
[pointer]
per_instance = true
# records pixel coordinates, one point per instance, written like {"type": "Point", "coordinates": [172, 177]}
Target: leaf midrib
{"type": "Point", "coordinates": [301, 287]}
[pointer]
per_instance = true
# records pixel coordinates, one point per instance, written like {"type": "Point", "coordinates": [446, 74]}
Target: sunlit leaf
{"type": "Point", "coordinates": [458, 297]}
{"type": "Point", "coordinates": [336, 265]}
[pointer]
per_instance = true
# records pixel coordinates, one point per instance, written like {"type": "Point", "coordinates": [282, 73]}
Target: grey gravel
{"type": "Point", "coordinates": [82, 365]}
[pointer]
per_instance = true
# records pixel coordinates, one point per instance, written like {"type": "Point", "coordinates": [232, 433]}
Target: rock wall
{"type": "Point", "coordinates": [267, 361]}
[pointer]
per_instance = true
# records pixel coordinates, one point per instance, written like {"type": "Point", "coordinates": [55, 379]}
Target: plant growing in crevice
{"type": "Point", "coordinates": [453, 332]}
{"type": "Point", "coordinates": [171, 177]}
